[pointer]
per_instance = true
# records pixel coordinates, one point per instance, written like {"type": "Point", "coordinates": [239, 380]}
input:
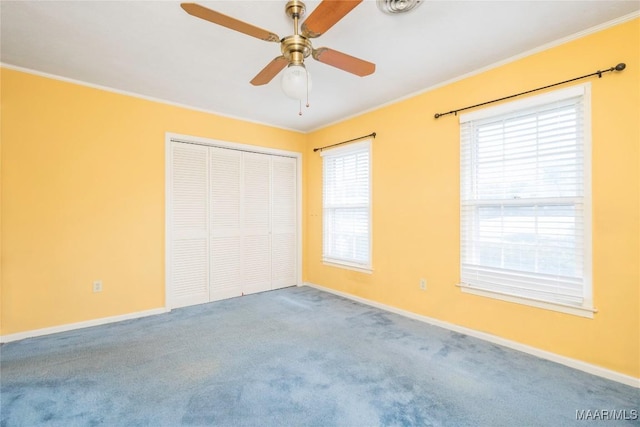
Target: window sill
{"type": "Point", "coordinates": [348, 266]}
{"type": "Point", "coordinates": [562, 308]}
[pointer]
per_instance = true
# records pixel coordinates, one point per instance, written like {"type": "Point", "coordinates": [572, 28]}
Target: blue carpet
{"type": "Point", "coordinates": [292, 357]}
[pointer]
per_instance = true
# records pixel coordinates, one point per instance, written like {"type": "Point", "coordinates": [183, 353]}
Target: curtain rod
{"type": "Point", "coordinates": [598, 73]}
{"type": "Point", "coordinates": [373, 134]}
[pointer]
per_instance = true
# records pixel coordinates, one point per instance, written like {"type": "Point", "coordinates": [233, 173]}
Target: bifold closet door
{"type": "Point", "coordinates": [225, 226]}
{"type": "Point", "coordinates": [283, 222]}
{"type": "Point", "coordinates": [256, 223]}
{"type": "Point", "coordinates": [189, 222]}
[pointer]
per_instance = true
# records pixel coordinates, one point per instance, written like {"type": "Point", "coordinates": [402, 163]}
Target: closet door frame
{"type": "Point", "coordinates": [188, 139]}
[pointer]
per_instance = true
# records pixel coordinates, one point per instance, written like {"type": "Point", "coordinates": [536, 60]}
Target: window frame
{"type": "Point", "coordinates": [329, 258]}
{"type": "Point", "coordinates": [513, 109]}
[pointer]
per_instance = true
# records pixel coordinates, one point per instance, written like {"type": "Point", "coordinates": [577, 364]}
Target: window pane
{"type": "Point", "coordinates": [536, 155]}
{"type": "Point", "coordinates": [541, 239]}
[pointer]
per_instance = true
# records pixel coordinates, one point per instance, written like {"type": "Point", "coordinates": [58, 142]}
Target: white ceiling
{"type": "Point", "coordinates": [155, 49]}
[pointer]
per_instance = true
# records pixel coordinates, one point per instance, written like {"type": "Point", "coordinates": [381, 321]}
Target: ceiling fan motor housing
{"type": "Point", "coordinates": [295, 48]}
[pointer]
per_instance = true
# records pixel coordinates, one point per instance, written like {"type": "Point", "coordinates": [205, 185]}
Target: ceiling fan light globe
{"type": "Point", "coordinates": [296, 82]}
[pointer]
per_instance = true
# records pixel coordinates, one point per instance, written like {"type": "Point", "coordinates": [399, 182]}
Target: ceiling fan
{"type": "Point", "coordinates": [295, 48]}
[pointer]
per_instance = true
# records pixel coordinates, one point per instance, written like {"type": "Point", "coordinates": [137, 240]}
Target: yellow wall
{"type": "Point", "coordinates": [83, 197]}
{"type": "Point", "coordinates": [416, 204]}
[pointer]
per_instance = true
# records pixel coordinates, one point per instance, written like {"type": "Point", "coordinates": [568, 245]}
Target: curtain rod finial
{"type": "Point", "coordinates": [621, 66]}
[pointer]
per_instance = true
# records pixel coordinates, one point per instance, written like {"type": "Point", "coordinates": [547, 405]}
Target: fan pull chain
{"type": "Point", "coordinates": [307, 71]}
{"type": "Point", "coordinates": [300, 100]}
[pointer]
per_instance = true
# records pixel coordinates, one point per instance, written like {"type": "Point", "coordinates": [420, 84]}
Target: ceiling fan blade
{"type": "Point", "coordinates": [345, 62]}
{"type": "Point", "coordinates": [326, 15]}
{"type": "Point", "coordinates": [229, 22]}
{"type": "Point", "coordinates": [270, 71]}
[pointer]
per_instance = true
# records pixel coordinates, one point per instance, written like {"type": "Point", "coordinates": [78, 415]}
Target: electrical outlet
{"type": "Point", "coordinates": [423, 284]}
{"type": "Point", "coordinates": [97, 286]}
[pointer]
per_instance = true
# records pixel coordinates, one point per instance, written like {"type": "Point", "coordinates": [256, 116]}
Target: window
{"type": "Point", "coordinates": [346, 199]}
{"type": "Point", "coordinates": [525, 201]}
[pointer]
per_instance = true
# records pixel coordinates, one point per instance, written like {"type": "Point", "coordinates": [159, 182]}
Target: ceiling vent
{"type": "Point", "coordinates": [397, 6]}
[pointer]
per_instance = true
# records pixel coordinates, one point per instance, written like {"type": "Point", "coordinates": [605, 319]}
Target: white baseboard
{"type": "Point", "coordinates": [563, 360]}
{"type": "Point", "coordinates": [79, 325]}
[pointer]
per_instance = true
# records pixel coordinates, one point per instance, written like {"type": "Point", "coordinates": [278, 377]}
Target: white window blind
{"type": "Point", "coordinates": [346, 205]}
{"type": "Point", "coordinates": [525, 199]}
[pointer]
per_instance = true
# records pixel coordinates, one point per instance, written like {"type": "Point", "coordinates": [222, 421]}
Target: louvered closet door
{"type": "Point", "coordinates": [283, 230]}
{"type": "Point", "coordinates": [189, 220]}
{"type": "Point", "coordinates": [225, 237]}
{"type": "Point", "coordinates": [256, 237]}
